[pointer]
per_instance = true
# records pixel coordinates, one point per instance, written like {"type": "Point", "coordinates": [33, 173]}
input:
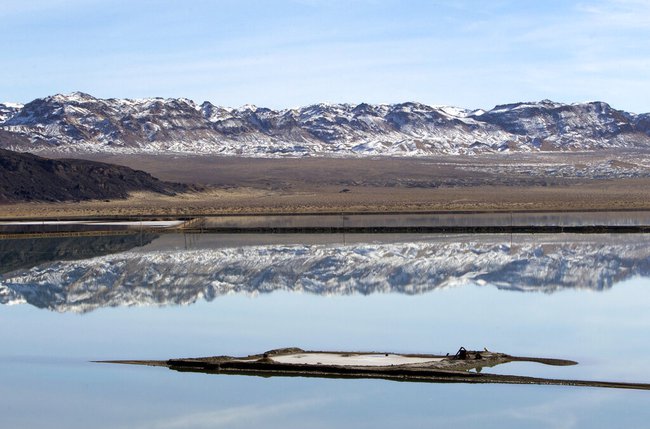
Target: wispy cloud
{"type": "Point", "coordinates": [627, 14]}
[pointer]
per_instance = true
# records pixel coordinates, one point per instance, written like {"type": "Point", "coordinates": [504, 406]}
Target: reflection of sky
{"type": "Point", "coordinates": [46, 377]}
{"type": "Point", "coordinates": [157, 398]}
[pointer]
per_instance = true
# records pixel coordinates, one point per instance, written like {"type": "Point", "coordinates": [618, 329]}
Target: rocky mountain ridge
{"type": "Point", "coordinates": [79, 122]}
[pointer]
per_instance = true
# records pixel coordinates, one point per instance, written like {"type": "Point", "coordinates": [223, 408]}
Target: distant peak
{"type": "Point", "coordinates": [12, 105]}
{"type": "Point", "coordinates": [455, 112]}
{"type": "Point", "coordinates": [185, 100]}
{"type": "Point", "coordinates": [601, 104]}
{"type": "Point", "coordinates": [321, 106]}
{"type": "Point", "coordinates": [82, 95]}
{"type": "Point", "coordinates": [546, 103]}
{"type": "Point", "coordinates": [73, 96]}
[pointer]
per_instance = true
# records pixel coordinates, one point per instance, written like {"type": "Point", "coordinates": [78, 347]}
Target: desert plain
{"type": "Point", "coordinates": [552, 181]}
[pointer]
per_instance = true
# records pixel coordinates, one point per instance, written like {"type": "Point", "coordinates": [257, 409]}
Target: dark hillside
{"type": "Point", "coordinates": [27, 177]}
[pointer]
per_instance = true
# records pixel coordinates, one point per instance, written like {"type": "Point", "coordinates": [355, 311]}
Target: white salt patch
{"type": "Point", "coordinates": [46, 222]}
{"type": "Point", "coordinates": [156, 223]}
{"type": "Point", "coordinates": [351, 359]}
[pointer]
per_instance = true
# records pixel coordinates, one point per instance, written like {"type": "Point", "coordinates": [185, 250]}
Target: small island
{"type": "Point", "coordinates": [465, 366]}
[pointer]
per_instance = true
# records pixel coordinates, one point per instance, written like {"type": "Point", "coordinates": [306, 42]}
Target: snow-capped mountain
{"type": "Point", "coordinates": [79, 122]}
{"type": "Point", "coordinates": [9, 110]}
{"type": "Point", "coordinates": [178, 276]}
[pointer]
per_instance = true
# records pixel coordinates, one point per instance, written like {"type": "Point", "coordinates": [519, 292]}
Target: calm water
{"type": "Point", "coordinates": [69, 301]}
{"type": "Point", "coordinates": [436, 219]}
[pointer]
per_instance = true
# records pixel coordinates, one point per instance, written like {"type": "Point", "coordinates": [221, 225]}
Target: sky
{"type": "Point", "coordinates": [289, 53]}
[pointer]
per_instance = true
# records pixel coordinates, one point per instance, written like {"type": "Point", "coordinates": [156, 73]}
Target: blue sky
{"type": "Point", "coordinates": [279, 54]}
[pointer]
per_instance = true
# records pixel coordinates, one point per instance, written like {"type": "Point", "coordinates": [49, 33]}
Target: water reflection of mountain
{"type": "Point", "coordinates": [18, 254]}
{"type": "Point", "coordinates": [173, 277]}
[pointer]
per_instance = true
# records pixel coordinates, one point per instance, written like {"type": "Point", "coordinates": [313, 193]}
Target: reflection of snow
{"type": "Point", "coordinates": [168, 277]}
{"type": "Point", "coordinates": [351, 359]}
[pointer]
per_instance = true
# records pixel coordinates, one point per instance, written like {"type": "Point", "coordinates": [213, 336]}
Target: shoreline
{"type": "Point", "coordinates": [260, 214]}
{"type": "Point", "coordinates": [466, 222]}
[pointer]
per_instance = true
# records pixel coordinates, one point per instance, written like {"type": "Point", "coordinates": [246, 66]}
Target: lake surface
{"type": "Point", "coordinates": [66, 302]}
{"type": "Point", "coordinates": [603, 218]}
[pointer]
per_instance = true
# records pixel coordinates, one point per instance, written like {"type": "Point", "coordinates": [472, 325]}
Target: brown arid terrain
{"type": "Point", "coordinates": [534, 182]}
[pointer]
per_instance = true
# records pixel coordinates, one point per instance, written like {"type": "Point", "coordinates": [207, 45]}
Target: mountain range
{"type": "Point", "coordinates": [81, 123]}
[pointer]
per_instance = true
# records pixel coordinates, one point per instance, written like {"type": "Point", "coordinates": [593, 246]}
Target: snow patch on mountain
{"type": "Point", "coordinates": [9, 110]}
{"type": "Point", "coordinates": [79, 122]}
